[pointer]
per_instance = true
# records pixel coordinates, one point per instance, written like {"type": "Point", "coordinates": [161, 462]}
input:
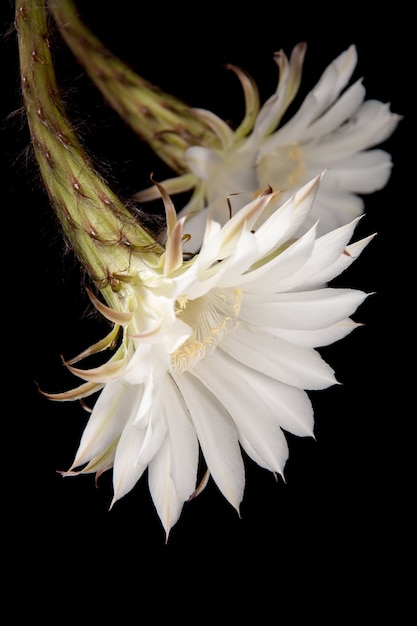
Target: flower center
{"type": "Point", "coordinates": [211, 317]}
{"type": "Point", "coordinates": [281, 168]}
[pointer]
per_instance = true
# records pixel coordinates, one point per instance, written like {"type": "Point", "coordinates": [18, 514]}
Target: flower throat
{"type": "Point", "coordinates": [210, 317]}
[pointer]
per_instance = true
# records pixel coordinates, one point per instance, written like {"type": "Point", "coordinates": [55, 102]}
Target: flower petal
{"type": "Point", "coordinates": [184, 449]}
{"type": "Point", "coordinates": [293, 365]}
{"type": "Point", "coordinates": [257, 403]}
{"type": "Point", "coordinates": [126, 472]}
{"type": "Point", "coordinates": [117, 317]}
{"type": "Point", "coordinates": [217, 436]}
{"type": "Point", "coordinates": [111, 413]}
{"type": "Point", "coordinates": [167, 502]}
{"type": "Point", "coordinates": [82, 391]}
{"type": "Point", "coordinates": [305, 310]}
{"type": "Point", "coordinates": [173, 470]}
{"type": "Point", "coordinates": [316, 338]}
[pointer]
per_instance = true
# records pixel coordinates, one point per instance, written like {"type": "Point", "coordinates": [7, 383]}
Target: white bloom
{"type": "Point", "coordinates": [333, 129]}
{"type": "Point", "coordinates": [217, 353]}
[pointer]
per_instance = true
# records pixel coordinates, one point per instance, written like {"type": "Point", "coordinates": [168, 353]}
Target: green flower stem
{"type": "Point", "coordinates": [163, 121]}
{"type": "Point", "coordinates": [102, 232]}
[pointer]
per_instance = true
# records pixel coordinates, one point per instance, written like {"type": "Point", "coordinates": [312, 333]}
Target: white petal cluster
{"type": "Point", "coordinates": [335, 128]}
{"type": "Point", "coordinates": [218, 353]}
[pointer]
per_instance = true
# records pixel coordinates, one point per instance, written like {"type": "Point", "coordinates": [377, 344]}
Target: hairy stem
{"type": "Point", "coordinates": [102, 232]}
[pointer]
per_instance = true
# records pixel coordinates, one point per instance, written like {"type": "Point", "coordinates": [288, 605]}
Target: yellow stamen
{"type": "Point", "coordinates": [210, 317]}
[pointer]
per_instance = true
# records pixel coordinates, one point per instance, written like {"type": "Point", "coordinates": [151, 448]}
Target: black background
{"type": "Point", "coordinates": [331, 542]}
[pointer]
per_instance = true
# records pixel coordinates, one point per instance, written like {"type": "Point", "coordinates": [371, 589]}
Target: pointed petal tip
{"type": "Point", "coordinates": [309, 188]}
{"type": "Point", "coordinates": [282, 475]}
